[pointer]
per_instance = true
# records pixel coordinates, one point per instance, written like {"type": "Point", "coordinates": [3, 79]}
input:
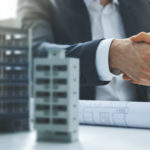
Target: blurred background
{"type": "Point", "coordinates": [8, 13]}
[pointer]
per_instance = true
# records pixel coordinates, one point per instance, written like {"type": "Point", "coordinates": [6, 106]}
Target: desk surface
{"type": "Point", "coordinates": [90, 138]}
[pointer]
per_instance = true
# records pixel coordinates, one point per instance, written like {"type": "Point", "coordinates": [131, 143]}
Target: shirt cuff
{"type": "Point", "coordinates": [102, 60]}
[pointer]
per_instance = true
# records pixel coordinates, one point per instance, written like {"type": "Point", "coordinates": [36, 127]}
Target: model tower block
{"type": "Point", "coordinates": [56, 94]}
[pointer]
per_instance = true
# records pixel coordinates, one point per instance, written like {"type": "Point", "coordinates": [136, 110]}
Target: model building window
{"type": "Point", "coordinates": [42, 107]}
{"type": "Point", "coordinates": [43, 68]}
{"type": "Point", "coordinates": [42, 120]}
{"type": "Point", "coordinates": [60, 68]}
{"type": "Point", "coordinates": [60, 81]}
{"type": "Point", "coordinates": [59, 121]}
{"type": "Point", "coordinates": [43, 94]}
{"type": "Point", "coordinates": [59, 94]}
{"type": "Point", "coordinates": [42, 81]}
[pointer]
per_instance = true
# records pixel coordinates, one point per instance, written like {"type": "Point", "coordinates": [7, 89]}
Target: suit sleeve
{"type": "Point", "coordinates": [35, 14]}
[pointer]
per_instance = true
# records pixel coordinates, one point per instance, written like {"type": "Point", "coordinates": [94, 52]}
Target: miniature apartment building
{"type": "Point", "coordinates": [56, 94]}
{"type": "Point", "coordinates": [14, 115]}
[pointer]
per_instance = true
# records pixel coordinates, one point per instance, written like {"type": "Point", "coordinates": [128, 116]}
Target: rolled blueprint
{"type": "Point", "coordinates": [115, 113]}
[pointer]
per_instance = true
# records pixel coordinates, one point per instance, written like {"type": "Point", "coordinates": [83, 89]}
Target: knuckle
{"type": "Point", "coordinates": [138, 79]}
{"type": "Point", "coordinates": [139, 76]}
{"type": "Point", "coordinates": [142, 33]}
{"type": "Point", "coordinates": [143, 57]}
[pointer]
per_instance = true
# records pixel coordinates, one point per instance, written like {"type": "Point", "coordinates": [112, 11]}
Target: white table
{"type": "Point", "coordinates": [90, 138]}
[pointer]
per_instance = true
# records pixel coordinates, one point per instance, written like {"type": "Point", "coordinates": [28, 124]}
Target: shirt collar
{"type": "Point", "coordinates": [88, 2]}
{"type": "Point", "coordinates": [116, 2]}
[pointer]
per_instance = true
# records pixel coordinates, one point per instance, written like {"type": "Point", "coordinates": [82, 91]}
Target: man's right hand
{"type": "Point", "coordinates": [132, 59]}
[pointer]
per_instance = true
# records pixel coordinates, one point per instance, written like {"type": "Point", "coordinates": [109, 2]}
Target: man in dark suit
{"type": "Point", "coordinates": [84, 28]}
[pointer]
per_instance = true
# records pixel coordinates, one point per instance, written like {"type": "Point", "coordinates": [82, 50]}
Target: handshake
{"type": "Point", "coordinates": [132, 58]}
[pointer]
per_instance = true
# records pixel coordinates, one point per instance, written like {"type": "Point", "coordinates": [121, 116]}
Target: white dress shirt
{"type": "Point", "coordinates": [106, 22]}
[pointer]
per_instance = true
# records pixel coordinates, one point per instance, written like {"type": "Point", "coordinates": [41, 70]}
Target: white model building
{"type": "Point", "coordinates": [56, 94]}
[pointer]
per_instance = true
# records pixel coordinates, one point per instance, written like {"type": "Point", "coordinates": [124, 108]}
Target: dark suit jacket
{"type": "Point", "coordinates": [66, 22]}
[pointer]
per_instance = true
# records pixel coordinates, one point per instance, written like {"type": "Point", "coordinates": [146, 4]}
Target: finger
{"type": "Point", "coordinates": [141, 83]}
{"type": "Point", "coordinates": [141, 37]}
{"type": "Point", "coordinates": [125, 77]}
{"type": "Point", "coordinates": [137, 37]}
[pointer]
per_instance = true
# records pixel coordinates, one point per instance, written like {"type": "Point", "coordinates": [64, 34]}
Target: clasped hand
{"type": "Point", "coordinates": [132, 57]}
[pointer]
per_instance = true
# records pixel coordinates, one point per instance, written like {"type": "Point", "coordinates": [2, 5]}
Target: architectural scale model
{"type": "Point", "coordinates": [56, 94]}
{"type": "Point", "coordinates": [14, 112]}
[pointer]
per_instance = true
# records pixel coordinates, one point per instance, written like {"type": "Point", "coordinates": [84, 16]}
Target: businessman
{"type": "Point", "coordinates": [97, 32]}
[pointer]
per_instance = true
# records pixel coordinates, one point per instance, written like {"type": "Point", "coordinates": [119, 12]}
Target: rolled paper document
{"type": "Point", "coordinates": [115, 113]}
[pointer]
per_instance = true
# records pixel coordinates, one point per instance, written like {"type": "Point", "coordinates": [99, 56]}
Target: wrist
{"type": "Point", "coordinates": [114, 55]}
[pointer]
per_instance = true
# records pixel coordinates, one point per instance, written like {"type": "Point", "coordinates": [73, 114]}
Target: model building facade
{"type": "Point", "coordinates": [14, 114]}
{"type": "Point", "coordinates": [56, 93]}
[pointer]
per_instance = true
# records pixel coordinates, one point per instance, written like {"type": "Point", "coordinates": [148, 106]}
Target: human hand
{"type": "Point", "coordinates": [132, 59]}
{"type": "Point", "coordinates": [141, 37]}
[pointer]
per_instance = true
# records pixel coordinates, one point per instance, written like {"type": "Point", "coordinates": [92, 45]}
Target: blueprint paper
{"type": "Point", "coordinates": [115, 113]}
